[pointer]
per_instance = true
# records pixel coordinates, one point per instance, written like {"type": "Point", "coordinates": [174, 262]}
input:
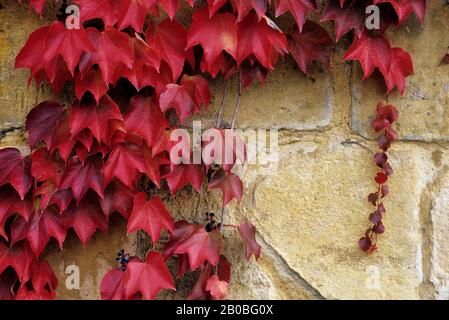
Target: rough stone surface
{"type": "Point", "coordinates": [423, 108]}
{"type": "Point", "coordinates": [440, 249]}
{"type": "Point", "coordinates": [16, 97]}
{"type": "Point", "coordinates": [311, 211]}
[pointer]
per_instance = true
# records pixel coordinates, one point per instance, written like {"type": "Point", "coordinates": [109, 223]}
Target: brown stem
{"type": "Point", "coordinates": [237, 104]}
{"type": "Point", "coordinates": [225, 93]}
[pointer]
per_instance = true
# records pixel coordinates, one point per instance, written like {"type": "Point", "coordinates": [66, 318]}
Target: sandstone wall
{"type": "Point", "coordinates": [309, 215]}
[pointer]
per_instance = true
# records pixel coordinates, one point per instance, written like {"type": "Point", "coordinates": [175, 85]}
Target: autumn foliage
{"type": "Point", "coordinates": [131, 71]}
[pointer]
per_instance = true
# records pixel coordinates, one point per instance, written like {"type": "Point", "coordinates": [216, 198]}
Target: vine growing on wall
{"type": "Point", "coordinates": [137, 77]}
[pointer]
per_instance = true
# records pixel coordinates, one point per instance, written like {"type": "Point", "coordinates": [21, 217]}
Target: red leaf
{"type": "Point", "coordinates": [144, 119]}
{"type": "Point", "coordinates": [248, 233]}
{"type": "Point", "coordinates": [182, 231]}
{"type": "Point", "coordinates": [94, 118]}
{"type": "Point", "coordinates": [229, 183]}
{"type": "Point", "coordinates": [215, 35]}
{"type": "Point", "coordinates": [312, 44]}
{"type": "Point", "coordinates": [371, 52]}
{"type": "Point", "coordinates": [298, 8]}
{"type": "Point", "coordinates": [207, 270]}
{"type": "Point", "coordinates": [169, 40]}
{"type": "Point", "coordinates": [41, 122]}
{"type": "Point", "coordinates": [15, 170]}
{"type": "Point", "coordinates": [183, 174]}
{"type": "Point", "coordinates": [404, 8]}
{"type": "Point", "coordinates": [10, 204]}
{"type": "Point", "coordinates": [92, 82]}
{"type": "Point", "coordinates": [381, 178]}
{"type": "Point", "coordinates": [401, 68]}
{"type": "Point", "coordinates": [346, 18]}
{"type": "Point", "coordinates": [112, 285]}
{"type": "Point", "coordinates": [117, 197]}
{"type": "Point", "coordinates": [133, 12]}
{"type": "Point", "coordinates": [151, 216]}
{"type": "Point", "coordinates": [218, 289]}
{"type": "Point", "coordinates": [70, 44]}
{"type": "Point", "coordinates": [38, 230]}
{"type": "Point", "coordinates": [80, 177]}
{"type": "Point", "coordinates": [186, 98]}
{"type": "Point", "coordinates": [86, 218]}
{"type": "Point", "coordinates": [148, 277]}
{"type": "Point", "coordinates": [107, 10]}
{"type": "Point", "coordinates": [112, 51]}
{"type": "Point", "coordinates": [43, 278]}
{"type": "Point", "coordinates": [146, 60]}
{"type": "Point", "coordinates": [244, 8]}
{"type": "Point", "coordinates": [45, 166]}
{"type": "Point", "coordinates": [201, 246]}
{"type": "Point", "coordinates": [19, 257]}
{"type": "Point", "coordinates": [127, 161]}
{"type": "Point", "coordinates": [30, 56]}
{"type": "Point", "coordinates": [380, 158]}
{"type": "Point", "coordinates": [258, 38]}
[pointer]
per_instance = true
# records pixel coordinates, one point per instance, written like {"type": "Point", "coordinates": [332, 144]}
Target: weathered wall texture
{"type": "Point", "coordinates": [310, 215]}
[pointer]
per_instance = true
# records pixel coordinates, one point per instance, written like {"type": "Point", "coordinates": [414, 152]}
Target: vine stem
{"type": "Point", "coordinates": [221, 231]}
{"type": "Point", "coordinates": [237, 104]}
{"type": "Point", "coordinates": [220, 112]}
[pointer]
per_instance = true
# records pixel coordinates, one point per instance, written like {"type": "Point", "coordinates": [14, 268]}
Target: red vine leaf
{"type": "Point", "coordinates": [298, 8]}
{"type": "Point", "coordinates": [229, 183]}
{"type": "Point", "coordinates": [151, 216]}
{"type": "Point", "coordinates": [15, 170]}
{"type": "Point", "coordinates": [248, 233]}
{"type": "Point", "coordinates": [218, 289]}
{"type": "Point", "coordinates": [148, 277]}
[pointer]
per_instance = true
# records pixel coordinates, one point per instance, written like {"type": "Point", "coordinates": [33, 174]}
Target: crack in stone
{"type": "Point", "coordinates": [281, 263]}
{"type": "Point", "coordinates": [4, 132]}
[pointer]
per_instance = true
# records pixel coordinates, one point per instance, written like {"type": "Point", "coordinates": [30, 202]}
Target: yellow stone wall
{"type": "Point", "coordinates": [309, 215]}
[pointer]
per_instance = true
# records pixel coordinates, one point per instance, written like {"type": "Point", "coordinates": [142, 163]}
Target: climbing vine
{"type": "Point", "coordinates": [137, 77]}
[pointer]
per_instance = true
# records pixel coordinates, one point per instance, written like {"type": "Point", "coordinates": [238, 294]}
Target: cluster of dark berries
{"type": "Point", "coordinates": [386, 116]}
{"type": "Point", "coordinates": [123, 258]}
{"type": "Point", "coordinates": [211, 224]}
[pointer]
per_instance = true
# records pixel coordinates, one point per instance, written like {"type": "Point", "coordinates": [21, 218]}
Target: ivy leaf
{"type": "Point", "coordinates": [41, 122]}
{"type": "Point", "coordinates": [346, 18]}
{"type": "Point", "coordinates": [15, 170]}
{"type": "Point", "coordinates": [169, 40]}
{"type": "Point", "coordinates": [112, 50]}
{"type": "Point", "coordinates": [248, 233]}
{"type": "Point", "coordinates": [218, 289]}
{"type": "Point", "coordinates": [45, 166]}
{"type": "Point", "coordinates": [43, 278]}
{"type": "Point", "coordinates": [146, 61]}
{"type": "Point", "coordinates": [94, 118]}
{"type": "Point", "coordinates": [401, 68]}
{"type": "Point", "coordinates": [70, 44]}
{"type": "Point", "coordinates": [132, 13]}
{"type": "Point", "coordinates": [404, 8]}
{"type": "Point", "coordinates": [244, 8]}
{"type": "Point", "coordinates": [298, 8]}
{"type": "Point", "coordinates": [229, 183]}
{"type": "Point", "coordinates": [10, 204]}
{"type": "Point", "coordinates": [201, 246]}
{"type": "Point", "coordinates": [312, 44]}
{"type": "Point", "coordinates": [85, 218]}
{"type": "Point", "coordinates": [127, 161]}
{"type": "Point", "coordinates": [148, 277]}
{"type": "Point", "coordinates": [215, 34]}
{"type": "Point", "coordinates": [258, 38]}
{"type": "Point", "coordinates": [371, 52]}
{"type": "Point", "coordinates": [19, 257]}
{"type": "Point", "coordinates": [150, 216]}
{"type": "Point", "coordinates": [183, 174]}
{"type": "Point", "coordinates": [117, 197]}
{"type": "Point", "coordinates": [112, 285]}
{"type": "Point", "coordinates": [80, 177]}
{"type": "Point", "coordinates": [38, 230]}
{"type": "Point", "coordinates": [107, 10]}
{"type": "Point", "coordinates": [186, 98]}
{"type": "Point", "coordinates": [182, 231]}
{"type": "Point", "coordinates": [144, 119]}
{"type": "Point", "coordinates": [93, 82]}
